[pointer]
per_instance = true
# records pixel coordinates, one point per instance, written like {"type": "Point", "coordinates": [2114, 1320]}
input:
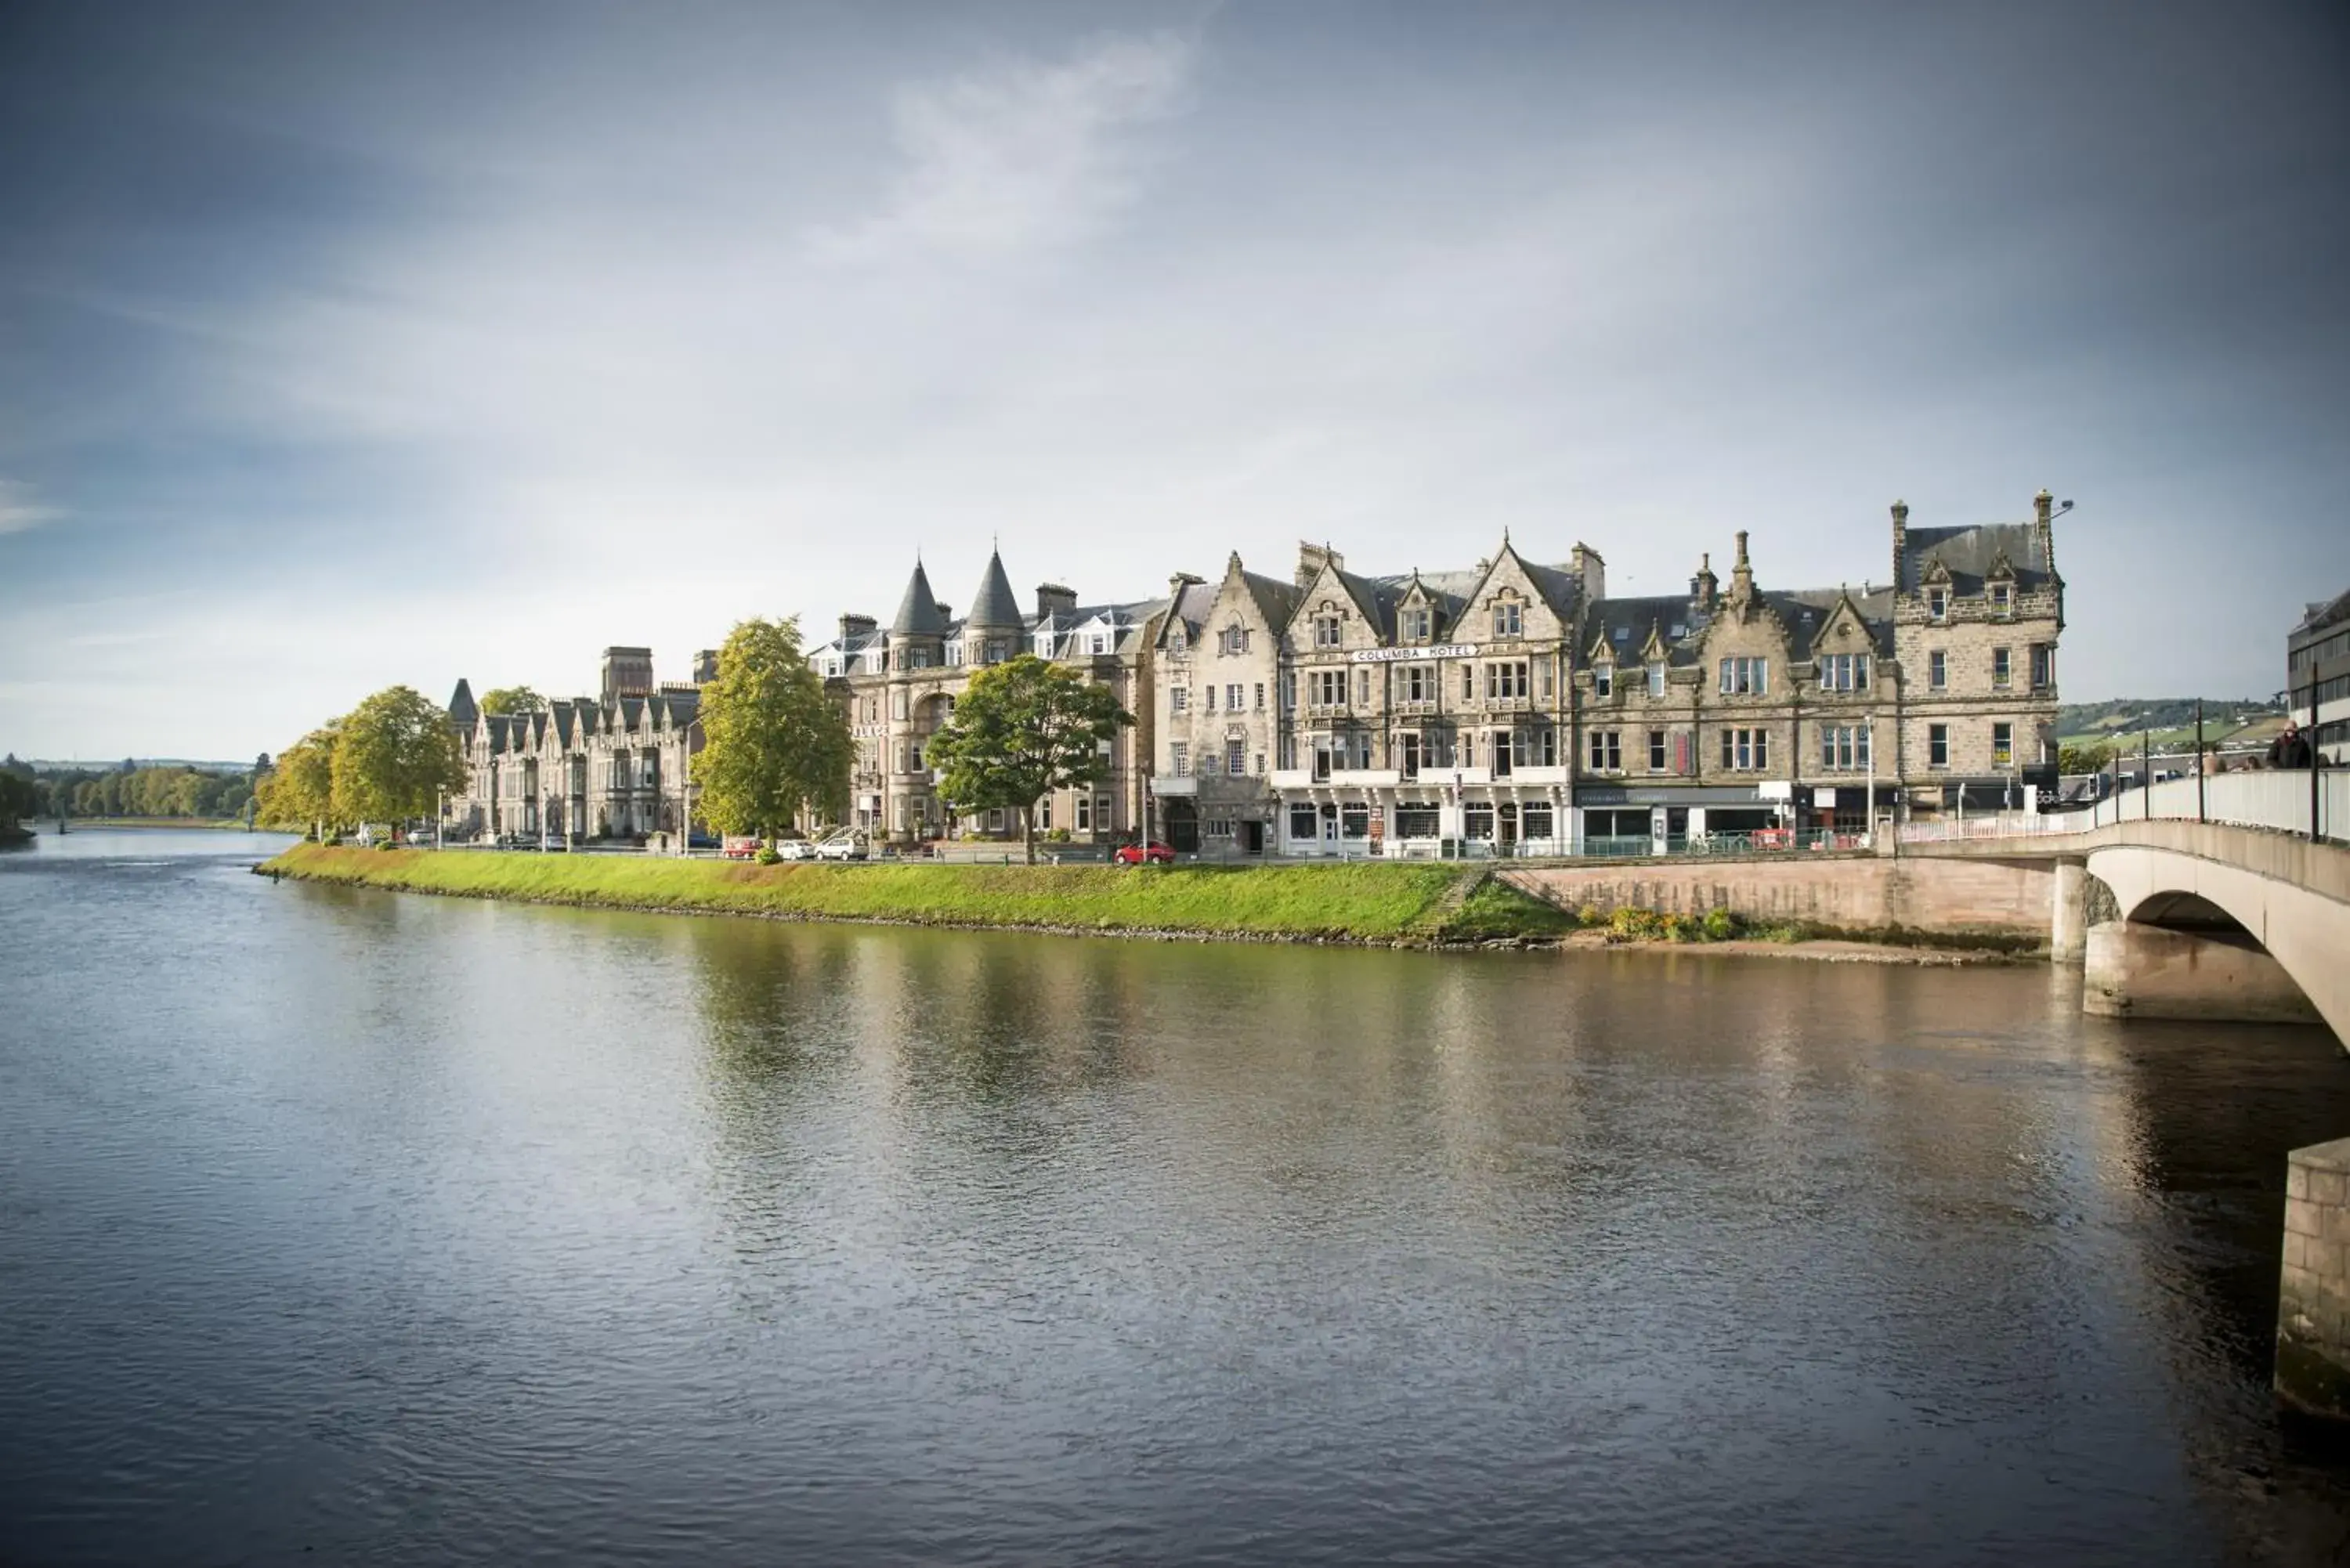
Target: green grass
{"type": "Point", "coordinates": [1354, 902]}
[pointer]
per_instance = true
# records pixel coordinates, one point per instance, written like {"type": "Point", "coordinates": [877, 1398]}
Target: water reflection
{"type": "Point", "coordinates": [507, 1235]}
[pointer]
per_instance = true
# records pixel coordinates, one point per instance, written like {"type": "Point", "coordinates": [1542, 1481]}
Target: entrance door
{"type": "Point", "coordinates": [1329, 825]}
{"type": "Point", "coordinates": [1252, 837]}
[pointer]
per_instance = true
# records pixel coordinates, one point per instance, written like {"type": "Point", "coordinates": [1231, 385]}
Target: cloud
{"type": "Point", "coordinates": [19, 510]}
{"type": "Point", "coordinates": [1021, 157]}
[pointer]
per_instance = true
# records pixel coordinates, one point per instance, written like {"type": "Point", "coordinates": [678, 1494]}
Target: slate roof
{"type": "Point", "coordinates": [462, 707]}
{"type": "Point", "coordinates": [1277, 599]}
{"type": "Point", "coordinates": [918, 612]}
{"type": "Point", "coordinates": [1625, 624]}
{"type": "Point", "coordinates": [1968, 553]}
{"type": "Point", "coordinates": [996, 604]}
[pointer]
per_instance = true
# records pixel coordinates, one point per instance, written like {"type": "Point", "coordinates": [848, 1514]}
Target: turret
{"type": "Point", "coordinates": [991, 631]}
{"type": "Point", "coordinates": [916, 636]}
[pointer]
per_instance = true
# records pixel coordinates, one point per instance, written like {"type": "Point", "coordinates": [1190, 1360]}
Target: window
{"type": "Point", "coordinates": [1363, 685]}
{"type": "Point", "coordinates": [1468, 684]}
{"type": "Point", "coordinates": [1236, 757]}
{"type": "Point", "coordinates": [1180, 699]}
{"type": "Point", "coordinates": [2002, 669]}
{"type": "Point", "coordinates": [1938, 745]}
{"type": "Point", "coordinates": [2002, 745]}
{"type": "Point", "coordinates": [1210, 693]}
{"type": "Point", "coordinates": [1656, 680]}
{"type": "Point", "coordinates": [1843, 672]}
{"type": "Point", "coordinates": [1325, 688]}
{"type": "Point", "coordinates": [1207, 764]}
{"type": "Point", "coordinates": [1507, 680]}
{"type": "Point", "coordinates": [1304, 823]}
{"type": "Point", "coordinates": [1259, 763]}
{"type": "Point", "coordinates": [1656, 750]}
{"type": "Point", "coordinates": [1417, 821]}
{"type": "Point", "coordinates": [1502, 752]}
{"type": "Point", "coordinates": [1603, 680]}
{"type": "Point", "coordinates": [2002, 597]}
{"type": "Point", "coordinates": [1104, 815]}
{"type": "Point", "coordinates": [995, 819]}
{"type": "Point", "coordinates": [1084, 812]}
{"type": "Point", "coordinates": [1419, 683]}
{"type": "Point", "coordinates": [1179, 759]}
{"type": "Point", "coordinates": [1938, 670]}
{"type": "Point", "coordinates": [1288, 690]}
{"type": "Point", "coordinates": [1233, 640]}
{"type": "Point", "coordinates": [1745, 677]}
{"type": "Point", "coordinates": [1938, 604]}
{"type": "Point", "coordinates": [1746, 750]}
{"type": "Point", "coordinates": [1260, 696]}
{"type": "Point", "coordinates": [1843, 748]}
{"type": "Point", "coordinates": [2044, 666]}
{"type": "Point", "coordinates": [1288, 744]}
{"type": "Point", "coordinates": [1535, 820]}
{"type": "Point", "coordinates": [1354, 821]}
{"type": "Point", "coordinates": [1509, 618]}
{"type": "Point", "coordinates": [1606, 751]}
{"type": "Point", "coordinates": [1328, 631]}
{"type": "Point", "coordinates": [1417, 625]}
{"type": "Point", "coordinates": [1477, 820]}
{"type": "Point", "coordinates": [1044, 813]}
{"type": "Point", "coordinates": [1217, 827]}
{"type": "Point", "coordinates": [1232, 694]}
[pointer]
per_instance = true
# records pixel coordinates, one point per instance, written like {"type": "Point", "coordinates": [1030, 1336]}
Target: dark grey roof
{"type": "Point", "coordinates": [1968, 554]}
{"type": "Point", "coordinates": [1191, 606]}
{"type": "Point", "coordinates": [1559, 586]}
{"type": "Point", "coordinates": [994, 604]}
{"type": "Point", "coordinates": [1624, 623]}
{"type": "Point", "coordinates": [2324, 613]}
{"type": "Point", "coordinates": [462, 707]}
{"type": "Point", "coordinates": [918, 612]}
{"type": "Point", "coordinates": [1277, 599]}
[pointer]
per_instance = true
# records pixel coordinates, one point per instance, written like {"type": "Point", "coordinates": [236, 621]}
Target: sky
{"type": "Point", "coordinates": [346, 346]}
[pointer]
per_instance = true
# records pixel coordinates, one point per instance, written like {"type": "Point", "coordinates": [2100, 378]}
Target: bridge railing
{"type": "Point", "coordinates": [2277, 799]}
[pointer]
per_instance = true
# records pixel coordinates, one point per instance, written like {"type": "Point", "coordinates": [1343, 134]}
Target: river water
{"type": "Point", "coordinates": [339, 1226]}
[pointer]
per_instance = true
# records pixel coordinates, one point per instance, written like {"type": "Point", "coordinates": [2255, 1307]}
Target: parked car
{"type": "Point", "coordinates": [1145, 854]}
{"type": "Point", "coordinates": [842, 847]}
{"type": "Point", "coordinates": [794, 849]}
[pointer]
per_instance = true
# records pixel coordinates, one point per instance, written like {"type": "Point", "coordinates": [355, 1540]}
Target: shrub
{"type": "Point", "coordinates": [1720, 925]}
{"type": "Point", "coordinates": [1057, 835]}
{"type": "Point", "coordinates": [766, 856]}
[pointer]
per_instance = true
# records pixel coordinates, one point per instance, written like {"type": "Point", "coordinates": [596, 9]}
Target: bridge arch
{"type": "Point", "coordinates": [2305, 931]}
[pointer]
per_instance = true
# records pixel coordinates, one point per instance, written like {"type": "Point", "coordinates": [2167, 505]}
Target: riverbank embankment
{"type": "Point", "coordinates": [1385, 903]}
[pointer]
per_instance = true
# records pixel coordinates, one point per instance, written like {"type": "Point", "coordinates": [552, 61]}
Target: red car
{"type": "Point", "coordinates": [1145, 853]}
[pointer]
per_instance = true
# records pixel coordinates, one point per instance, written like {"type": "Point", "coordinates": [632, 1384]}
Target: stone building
{"type": "Point", "coordinates": [899, 684]}
{"type": "Point", "coordinates": [1516, 706]}
{"type": "Point", "coordinates": [2317, 677]}
{"type": "Point", "coordinates": [611, 766]}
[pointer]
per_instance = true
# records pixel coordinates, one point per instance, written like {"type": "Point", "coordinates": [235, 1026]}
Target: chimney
{"type": "Point", "coordinates": [1312, 558]}
{"type": "Point", "coordinates": [1901, 542]}
{"type": "Point", "coordinates": [705, 667]}
{"type": "Point", "coordinates": [1741, 575]}
{"type": "Point", "coordinates": [2041, 506]}
{"type": "Point", "coordinates": [855, 626]}
{"type": "Point", "coordinates": [1592, 570]}
{"type": "Point", "coordinates": [1177, 582]}
{"type": "Point", "coordinates": [1052, 598]}
{"type": "Point", "coordinates": [1702, 586]}
{"type": "Point", "coordinates": [2043, 532]}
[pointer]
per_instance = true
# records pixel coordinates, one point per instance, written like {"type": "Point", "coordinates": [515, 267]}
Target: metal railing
{"type": "Point", "coordinates": [2281, 800]}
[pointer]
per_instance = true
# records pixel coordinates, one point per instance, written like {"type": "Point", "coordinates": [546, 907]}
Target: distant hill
{"type": "Point", "coordinates": [2103, 721]}
{"type": "Point", "coordinates": [106, 765]}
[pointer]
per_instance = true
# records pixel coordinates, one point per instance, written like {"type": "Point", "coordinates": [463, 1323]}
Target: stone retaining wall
{"type": "Point", "coordinates": [2004, 898]}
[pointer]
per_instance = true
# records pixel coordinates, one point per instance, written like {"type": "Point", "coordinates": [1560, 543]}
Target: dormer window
{"type": "Point", "coordinates": [1329, 628]}
{"type": "Point", "coordinates": [1938, 604]}
{"type": "Point", "coordinates": [1417, 624]}
{"type": "Point", "coordinates": [2002, 599]}
{"type": "Point", "coordinates": [1603, 680]}
{"type": "Point", "coordinates": [1509, 618]}
{"type": "Point", "coordinates": [1656, 679]}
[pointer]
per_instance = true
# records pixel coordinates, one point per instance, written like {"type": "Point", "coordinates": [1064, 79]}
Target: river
{"type": "Point", "coordinates": [339, 1226]}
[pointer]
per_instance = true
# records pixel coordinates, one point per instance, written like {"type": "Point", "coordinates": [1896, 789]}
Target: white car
{"type": "Point", "coordinates": [847, 846]}
{"type": "Point", "coordinates": [794, 849]}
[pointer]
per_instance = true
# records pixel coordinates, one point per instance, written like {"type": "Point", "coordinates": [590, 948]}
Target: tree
{"type": "Point", "coordinates": [20, 797]}
{"type": "Point", "coordinates": [1021, 730]}
{"type": "Point", "coordinates": [394, 755]}
{"type": "Point", "coordinates": [513, 700]}
{"type": "Point", "coordinates": [2082, 759]}
{"type": "Point", "coordinates": [299, 792]}
{"type": "Point", "coordinates": [773, 740]}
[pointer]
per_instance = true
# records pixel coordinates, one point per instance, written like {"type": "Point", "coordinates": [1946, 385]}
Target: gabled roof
{"type": "Point", "coordinates": [994, 604]}
{"type": "Point", "coordinates": [918, 612]}
{"type": "Point", "coordinates": [1190, 605]}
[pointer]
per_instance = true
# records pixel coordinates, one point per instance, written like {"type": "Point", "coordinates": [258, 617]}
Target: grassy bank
{"type": "Point", "coordinates": [1413, 903]}
{"type": "Point", "coordinates": [1352, 902]}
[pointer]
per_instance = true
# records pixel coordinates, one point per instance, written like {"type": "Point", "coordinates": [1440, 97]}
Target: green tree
{"type": "Point", "coordinates": [2082, 759]}
{"type": "Point", "coordinates": [20, 797]}
{"type": "Point", "coordinates": [774, 742]}
{"type": "Point", "coordinates": [1021, 730]}
{"type": "Point", "coordinates": [393, 755]}
{"type": "Point", "coordinates": [299, 791]}
{"type": "Point", "coordinates": [513, 700]}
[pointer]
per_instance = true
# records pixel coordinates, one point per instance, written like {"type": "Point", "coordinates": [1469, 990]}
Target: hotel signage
{"type": "Point", "coordinates": [1398, 655]}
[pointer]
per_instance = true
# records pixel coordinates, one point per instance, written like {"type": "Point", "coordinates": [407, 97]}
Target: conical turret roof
{"type": "Point", "coordinates": [918, 612]}
{"type": "Point", "coordinates": [994, 604]}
